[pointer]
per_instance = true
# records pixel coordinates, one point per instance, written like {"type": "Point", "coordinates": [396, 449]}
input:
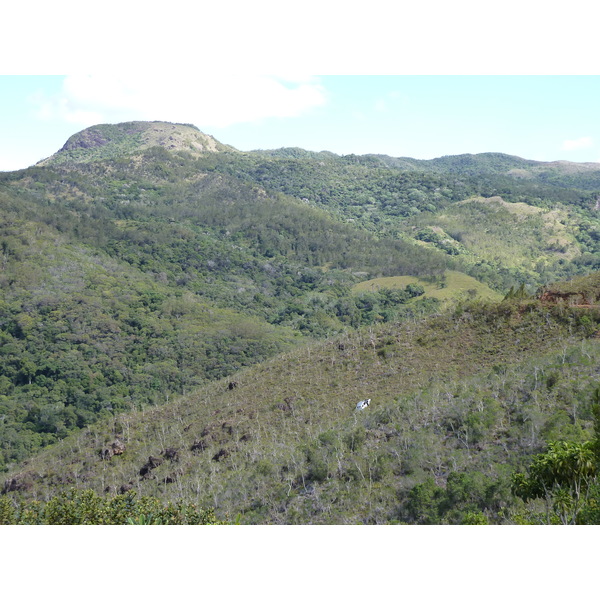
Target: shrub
{"type": "Point", "coordinates": [85, 507]}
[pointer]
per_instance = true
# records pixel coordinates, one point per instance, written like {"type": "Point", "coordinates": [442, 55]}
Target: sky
{"type": "Point", "coordinates": [420, 80]}
{"type": "Point", "coordinates": [537, 117]}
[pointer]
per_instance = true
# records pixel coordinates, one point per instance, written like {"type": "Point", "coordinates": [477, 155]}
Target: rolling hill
{"type": "Point", "coordinates": [459, 401]}
{"type": "Point", "coordinates": [220, 313]}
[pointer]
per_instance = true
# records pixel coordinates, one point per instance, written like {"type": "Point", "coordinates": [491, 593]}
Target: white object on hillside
{"type": "Point", "coordinates": [363, 404]}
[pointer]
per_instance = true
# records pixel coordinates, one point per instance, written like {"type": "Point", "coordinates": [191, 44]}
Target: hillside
{"type": "Point", "coordinates": [458, 402]}
{"type": "Point", "coordinates": [394, 198]}
{"type": "Point", "coordinates": [128, 280]}
{"type": "Point", "coordinates": [220, 313]}
{"type": "Point", "coordinates": [529, 241]}
{"type": "Point", "coordinates": [455, 287]}
{"type": "Point", "coordinates": [84, 335]}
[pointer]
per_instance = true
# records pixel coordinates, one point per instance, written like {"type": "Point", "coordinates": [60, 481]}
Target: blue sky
{"type": "Point", "coordinates": [422, 116]}
{"type": "Point", "coordinates": [420, 79]}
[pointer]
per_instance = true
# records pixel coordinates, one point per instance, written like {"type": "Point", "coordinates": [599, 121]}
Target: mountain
{"type": "Point", "coordinates": [154, 279]}
{"type": "Point", "coordinates": [128, 280]}
{"type": "Point", "coordinates": [124, 139]}
{"type": "Point", "coordinates": [405, 199]}
{"type": "Point", "coordinates": [496, 163]}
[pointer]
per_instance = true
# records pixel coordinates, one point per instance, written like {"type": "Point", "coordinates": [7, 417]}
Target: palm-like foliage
{"type": "Point", "coordinates": [563, 477]}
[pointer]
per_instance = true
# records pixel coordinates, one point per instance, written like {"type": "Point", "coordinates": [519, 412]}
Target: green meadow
{"type": "Point", "coordinates": [455, 286]}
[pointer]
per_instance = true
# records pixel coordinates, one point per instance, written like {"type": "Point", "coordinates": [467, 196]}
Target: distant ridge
{"type": "Point", "coordinates": [106, 141]}
{"type": "Point", "coordinates": [484, 162]}
{"type": "Point", "coordinates": [114, 140]}
{"type": "Point", "coordinates": [122, 140]}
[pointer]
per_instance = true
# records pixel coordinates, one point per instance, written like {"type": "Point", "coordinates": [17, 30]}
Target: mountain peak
{"type": "Point", "coordinates": [113, 140]}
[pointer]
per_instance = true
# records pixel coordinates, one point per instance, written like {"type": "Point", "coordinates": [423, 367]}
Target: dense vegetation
{"type": "Point", "coordinates": [401, 198]}
{"type": "Point", "coordinates": [460, 402]}
{"type": "Point", "coordinates": [107, 306]}
{"type": "Point", "coordinates": [84, 336]}
{"type": "Point", "coordinates": [88, 508]}
{"type": "Point", "coordinates": [141, 283]}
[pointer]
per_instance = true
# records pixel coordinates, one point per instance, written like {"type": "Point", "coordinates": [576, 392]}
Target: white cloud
{"type": "Point", "coordinates": [582, 142]}
{"type": "Point", "coordinates": [12, 163]}
{"type": "Point", "coordinates": [380, 105]}
{"type": "Point", "coordinates": [394, 100]}
{"type": "Point", "coordinates": [203, 100]}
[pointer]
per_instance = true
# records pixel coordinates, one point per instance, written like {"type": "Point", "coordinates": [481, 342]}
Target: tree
{"type": "Point", "coordinates": [564, 475]}
{"type": "Point", "coordinates": [561, 476]}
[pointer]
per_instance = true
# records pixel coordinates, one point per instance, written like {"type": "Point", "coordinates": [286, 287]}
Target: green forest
{"type": "Point", "coordinates": [216, 315]}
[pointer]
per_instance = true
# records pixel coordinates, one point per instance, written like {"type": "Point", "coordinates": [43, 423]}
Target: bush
{"type": "Point", "coordinates": [85, 507]}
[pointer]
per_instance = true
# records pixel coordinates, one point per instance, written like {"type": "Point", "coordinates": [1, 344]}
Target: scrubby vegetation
{"type": "Point", "coordinates": [460, 402]}
{"type": "Point", "coordinates": [195, 326]}
{"type": "Point", "coordinates": [88, 508]}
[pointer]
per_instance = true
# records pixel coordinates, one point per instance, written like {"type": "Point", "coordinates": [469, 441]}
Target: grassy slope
{"type": "Point", "coordinates": [456, 286]}
{"type": "Point", "coordinates": [465, 392]}
{"type": "Point", "coordinates": [515, 235]}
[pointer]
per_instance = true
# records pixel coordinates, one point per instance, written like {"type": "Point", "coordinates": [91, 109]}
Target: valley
{"type": "Point", "coordinates": [216, 315]}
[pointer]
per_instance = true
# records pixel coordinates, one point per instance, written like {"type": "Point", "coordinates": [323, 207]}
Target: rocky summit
{"type": "Point", "coordinates": [113, 140]}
